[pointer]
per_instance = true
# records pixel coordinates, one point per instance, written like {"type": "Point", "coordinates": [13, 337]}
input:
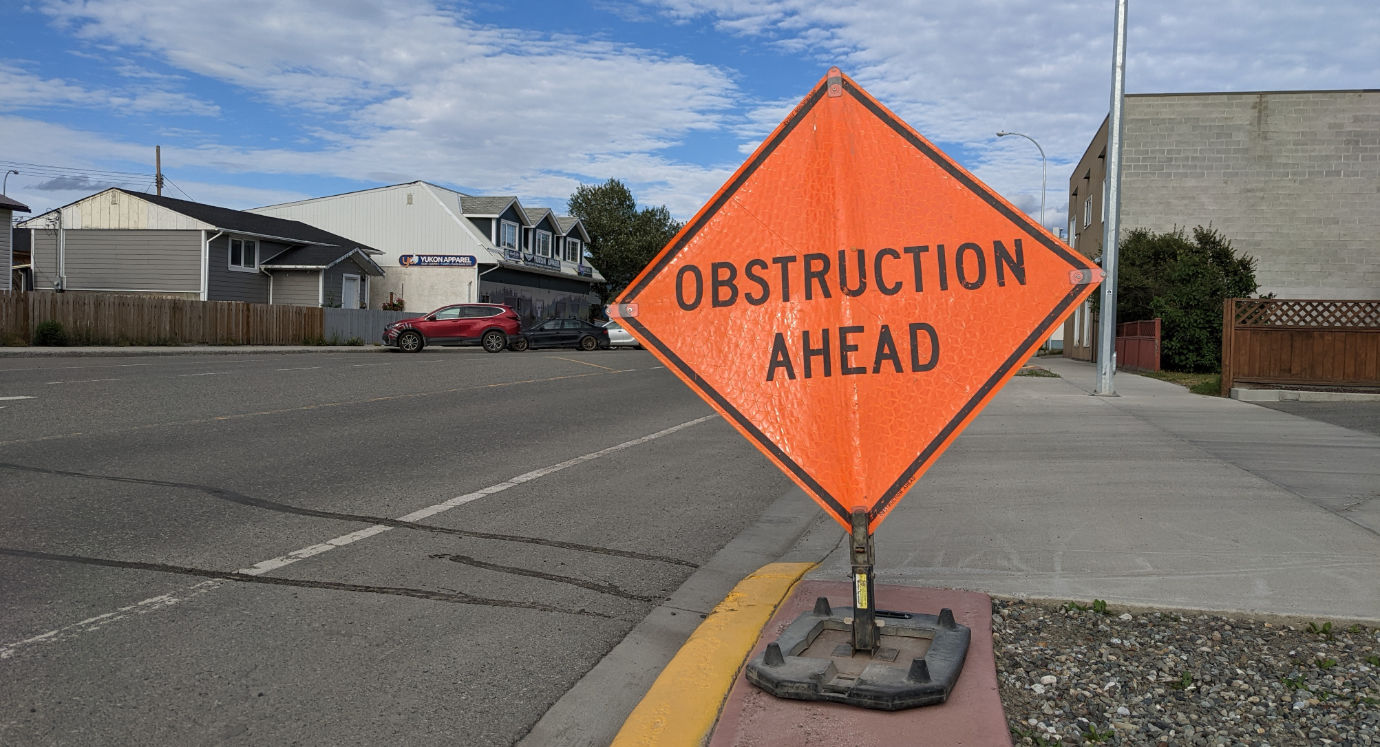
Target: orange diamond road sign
{"type": "Point", "coordinates": [852, 298]}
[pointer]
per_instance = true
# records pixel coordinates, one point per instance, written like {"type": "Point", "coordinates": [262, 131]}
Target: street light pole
{"type": "Point", "coordinates": [1044, 170]}
{"type": "Point", "coordinates": [6, 183]}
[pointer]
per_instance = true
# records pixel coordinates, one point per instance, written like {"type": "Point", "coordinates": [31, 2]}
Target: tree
{"type": "Point", "coordinates": [622, 239]}
{"type": "Point", "coordinates": [1182, 283]}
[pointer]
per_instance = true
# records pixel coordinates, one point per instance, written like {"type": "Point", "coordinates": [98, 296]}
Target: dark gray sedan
{"type": "Point", "coordinates": [561, 333]}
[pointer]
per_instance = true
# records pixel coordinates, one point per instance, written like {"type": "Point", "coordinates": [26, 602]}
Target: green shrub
{"type": "Point", "coordinates": [50, 333]}
{"type": "Point", "coordinates": [1182, 283]}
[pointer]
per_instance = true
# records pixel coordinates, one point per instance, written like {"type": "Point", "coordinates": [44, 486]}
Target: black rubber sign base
{"type": "Point", "coordinates": [916, 663]}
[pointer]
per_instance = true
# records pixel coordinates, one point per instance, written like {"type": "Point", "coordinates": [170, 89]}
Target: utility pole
{"type": "Point", "coordinates": [158, 169]}
{"type": "Point", "coordinates": [1111, 215]}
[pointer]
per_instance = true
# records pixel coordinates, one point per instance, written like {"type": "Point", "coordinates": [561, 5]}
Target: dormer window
{"type": "Point", "coordinates": [244, 255]}
{"type": "Point", "coordinates": [508, 234]}
{"type": "Point", "coordinates": [542, 239]}
{"type": "Point", "coordinates": [572, 250]}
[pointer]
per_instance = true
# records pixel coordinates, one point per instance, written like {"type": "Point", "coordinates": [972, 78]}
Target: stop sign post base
{"type": "Point", "coordinates": [860, 655]}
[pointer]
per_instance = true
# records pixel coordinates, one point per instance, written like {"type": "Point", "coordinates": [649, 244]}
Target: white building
{"type": "Point", "coordinates": [442, 247]}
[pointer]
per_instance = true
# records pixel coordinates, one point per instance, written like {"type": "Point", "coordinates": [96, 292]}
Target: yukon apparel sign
{"type": "Point", "coordinates": [851, 299]}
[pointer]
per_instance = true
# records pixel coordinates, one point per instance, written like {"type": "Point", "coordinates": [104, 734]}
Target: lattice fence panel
{"type": "Point", "coordinates": [1301, 314]}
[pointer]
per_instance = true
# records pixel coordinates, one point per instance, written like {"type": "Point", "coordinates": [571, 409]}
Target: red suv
{"type": "Point", "coordinates": [486, 324]}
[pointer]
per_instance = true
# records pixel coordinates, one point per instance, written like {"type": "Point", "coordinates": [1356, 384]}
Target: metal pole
{"type": "Point", "coordinates": [1044, 170]}
{"type": "Point", "coordinates": [865, 634]}
{"type": "Point", "coordinates": [1111, 218]}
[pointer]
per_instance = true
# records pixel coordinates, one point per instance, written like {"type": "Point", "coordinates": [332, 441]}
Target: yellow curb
{"type": "Point", "coordinates": [683, 704]}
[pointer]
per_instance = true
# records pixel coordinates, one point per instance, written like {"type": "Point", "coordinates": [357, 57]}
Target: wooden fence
{"type": "Point", "coordinates": [1286, 342]}
{"type": "Point", "coordinates": [1138, 345]}
{"type": "Point", "coordinates": [120, 319]}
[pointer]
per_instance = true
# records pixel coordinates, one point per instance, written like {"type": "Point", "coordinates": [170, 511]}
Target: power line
{"type": "Point", "coordinates": [179, 188]}
{"type": "Point", "coordinates": [50, 170]}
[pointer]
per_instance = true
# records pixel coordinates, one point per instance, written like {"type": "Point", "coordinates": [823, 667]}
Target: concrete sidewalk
{"type": "Point", "coordinates": [1156, 497]}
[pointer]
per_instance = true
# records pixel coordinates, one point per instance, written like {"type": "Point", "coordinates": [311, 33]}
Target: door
{"type": "Point", "coordinates": [446, 325]}
{"type": "Point", "coordinates": [546, 334]}
{"type": "Point", "coordinates": [349, 293]}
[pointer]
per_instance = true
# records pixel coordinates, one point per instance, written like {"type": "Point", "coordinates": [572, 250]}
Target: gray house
{"type": "Point", "coordinates": [442, 247]}
{"type": "Point", "coordinates": [8, 208]}
{"type": "Point", "coordinates": [117, 241]}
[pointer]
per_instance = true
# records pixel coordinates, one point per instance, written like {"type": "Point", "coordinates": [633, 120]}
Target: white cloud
{"type": "Point", "coordinates": [22, 90]}
{"type": "Point", "coordinates": [959, 70]}
{"type": "Point", "coordinates": [405, 90]}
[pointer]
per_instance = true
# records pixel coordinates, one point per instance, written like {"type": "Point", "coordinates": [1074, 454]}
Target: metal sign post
{"type": "Point", "coordinates": [865, 633]}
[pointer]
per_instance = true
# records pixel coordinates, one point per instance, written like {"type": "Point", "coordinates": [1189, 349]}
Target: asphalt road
{"type": "Point", "coordinates": [342, 548]}
{"type": "Point", "coordinates": [1358, 416]}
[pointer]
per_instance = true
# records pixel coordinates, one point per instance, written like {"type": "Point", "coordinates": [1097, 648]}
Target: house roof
{"type": "Point", "coordinates": [239, 221]}
{"type": "Point", "coordinates": [7, 203]}
{"type": "Point", "coordinates": [318, 257]}
{"type": "Point", "coordinates": [488, 207]}
{"type": "Point", "coordinates": [567, 222]}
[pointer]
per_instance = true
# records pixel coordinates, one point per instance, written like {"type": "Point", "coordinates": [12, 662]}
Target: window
{"type": "Point", "coordinates": [508, 234]}
{"type": "Point", "coordinates": [1087, 212]}
{"type": "Point", "coordinates": [450, 312]}
{"type": "Point", "coordinates": [543, 243]}
{"type": "Point", "coordinates": [572, 250]}
{"type": "Point", "coordinates": [244, 254]}
{"type": "Point", "coordinates": [480, 312]}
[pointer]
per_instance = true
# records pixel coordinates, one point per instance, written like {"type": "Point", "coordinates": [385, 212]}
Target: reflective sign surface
{"type": "Point", "coordinates": [851, 299]}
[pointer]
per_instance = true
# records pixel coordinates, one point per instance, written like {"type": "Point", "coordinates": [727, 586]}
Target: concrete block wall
{"type": "Point", "coordinates": [1291, 178]}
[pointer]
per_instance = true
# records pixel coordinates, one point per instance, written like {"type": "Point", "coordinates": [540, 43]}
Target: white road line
{"type": "Point", "coordinates": [304, 368]}
{"type": "Point", "coordinates": [78, 381]}
{"type": "Point", "coordinates": [7, 399]}
{"type": "Point", "coordinates": [460, 500]}
{"type": "Point", "coordinates": [67, 368]}
{"type": "Point", "coordinates": [207, 373]}
{"type": "Point", "coordinates": [92, 623]}
{"type": "Point", "coordinates": [365, 365]}
{"type": "Point", "coordinates": [167, 600]}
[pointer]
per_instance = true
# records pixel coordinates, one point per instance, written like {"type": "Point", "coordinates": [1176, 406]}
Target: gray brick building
{"type": "Point", "coordinates": [1292, 178]}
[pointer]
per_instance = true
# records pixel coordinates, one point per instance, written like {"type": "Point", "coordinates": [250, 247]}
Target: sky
{"type": "Point", "coordinates": [257, 102]}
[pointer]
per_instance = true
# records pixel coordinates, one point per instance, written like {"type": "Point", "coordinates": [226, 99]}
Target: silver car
{"type": "Point", "coordinates": [619, 337]}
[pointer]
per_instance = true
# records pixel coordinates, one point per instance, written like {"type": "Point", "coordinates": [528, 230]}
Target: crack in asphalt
{"type": "Point", "coordinates": [401, 591]}
{"type": "Point", "coordinates": [602, 588]}
{"type": "Point", "coordinates": [263, 503]}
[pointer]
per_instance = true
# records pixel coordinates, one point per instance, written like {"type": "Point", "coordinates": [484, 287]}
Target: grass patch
{"type": "Point", "coordinates": [1043, 373]}
{"type": "Point", "coordinates": [1209, 384]}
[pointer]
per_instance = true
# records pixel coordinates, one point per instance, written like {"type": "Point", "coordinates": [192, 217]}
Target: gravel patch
{"type": "Point", "coordinates": [1072, 675]}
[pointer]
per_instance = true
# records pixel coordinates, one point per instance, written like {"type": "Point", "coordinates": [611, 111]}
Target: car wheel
{"type": "Point", "coordinates": [518, 345]}
{"type": "Point", "coordinates": [588, 343]}
{"type": "Point", "coordinates": [494, 341]}
{"type": "Point", "coordinates": [411, 342]}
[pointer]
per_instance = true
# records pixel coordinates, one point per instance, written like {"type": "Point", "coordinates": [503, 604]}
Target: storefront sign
{"type": "Point", "coordinates": [437, 260]}
{"type": "Point", "coordinates": [536, 260]}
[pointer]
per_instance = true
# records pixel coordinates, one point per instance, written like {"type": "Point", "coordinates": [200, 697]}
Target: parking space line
{"type": "Point", "coordinates": [8, 399]}
{"type": "Point", "coordinates": [303, 368]}
{"type": "Point", "coordinates": [207, 373]}
{"type": "Point", "coordinates": [586, 363]}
